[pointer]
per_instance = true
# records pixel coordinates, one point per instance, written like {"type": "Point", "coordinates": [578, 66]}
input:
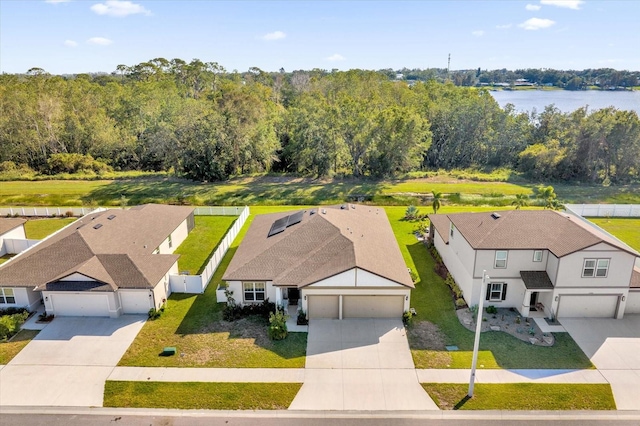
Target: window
{"type": "Point", "coordinates": [7, 296]}
{"type": "Point", "coordinates": [496, 292]}
{"type": "Point", "coordinates": [501, 259]}
{"type": "Point", "coordinates": [170, 242]}
{"type": "Point", "coordinates": [537, 255]}
{"type": "Point", "coordinates": [253, 292]}
{"type": "Point", "coordinates": [595, 268]}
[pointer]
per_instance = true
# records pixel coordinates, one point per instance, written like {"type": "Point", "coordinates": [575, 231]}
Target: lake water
{"type": "Point", "coordinates": [568, 101]}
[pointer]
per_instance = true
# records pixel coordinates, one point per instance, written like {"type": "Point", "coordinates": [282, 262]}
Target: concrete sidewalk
{"type": "Point", "coordinates": [230, 375]}
{"type": "Point", "coordinates": [512, 376]}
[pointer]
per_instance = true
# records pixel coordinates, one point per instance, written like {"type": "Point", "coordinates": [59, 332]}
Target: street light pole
{"type": "Point", "coordinates": [476, 342]}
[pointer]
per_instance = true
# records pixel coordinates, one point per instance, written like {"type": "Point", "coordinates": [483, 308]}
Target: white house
{"type": "Point", "coordinates": [543, 263]}
{"type": "Point", "coordinates": [107, 263]}
{"type": "Point", "coordinates": [336, 262]}
{"type": "Point", "coordinates": [11, 228]}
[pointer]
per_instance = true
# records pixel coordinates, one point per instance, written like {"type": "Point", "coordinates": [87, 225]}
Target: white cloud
{"type": "Point", "coordinates": [336, 57]}
{"type": "Point", "coordinates": [536, 24]}
{"type": "Point", "coordinates": [119, 8]}
{"type": "Point", "coordinates": [100, 41]}
{"type": "Point", "coordinates": [478, 33]}
{"type": "Point", "coordinates": [533, 7]}
{"type": "Point", "coordinates": [504, 27]}
{"type": "Point", "coordinates": [56, 1]}
{"type": "Point", "coordinates": [569, 4]}
{"type": "Point", "coordinates": [276, 35]}
{"type": "Point", "coordinates": [70, 43]}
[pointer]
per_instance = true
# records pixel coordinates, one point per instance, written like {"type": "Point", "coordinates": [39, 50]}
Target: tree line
{"type": "Point", "coordinates": [205, 123]}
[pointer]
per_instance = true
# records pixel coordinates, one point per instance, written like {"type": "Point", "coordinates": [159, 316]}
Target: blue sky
{"type": "Point", "coordinates": [90, 36]}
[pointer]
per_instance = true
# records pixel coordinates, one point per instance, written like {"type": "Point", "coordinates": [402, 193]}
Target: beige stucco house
{"type": "Point", "coordinates": [334, 262]}
{"type": "Point", "coordinates": [543, 263]}
{"type": "Point", "coordinates": [107, 263]}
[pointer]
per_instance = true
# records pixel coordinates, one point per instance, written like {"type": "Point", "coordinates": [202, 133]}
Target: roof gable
{"type": "Point", "coordinates": [10, 223]}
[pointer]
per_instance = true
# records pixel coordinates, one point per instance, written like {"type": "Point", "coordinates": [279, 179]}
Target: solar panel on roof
{"type": "Point", "coordinates": [278, 226]}
{"type": "Point", "coordinates": [295, 218]}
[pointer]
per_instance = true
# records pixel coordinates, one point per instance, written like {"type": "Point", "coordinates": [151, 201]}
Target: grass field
{"type": "Point", "coordinates": [37, 229]}
{"type": "Point", "coordinates": [522, 396]}
{"type": "Point", "coordinates": [201, 242]}
{"type": "Point", "coordinates": [283, 190]}
{"type": "Point", "coordinates": [627, 229]}
{"type": "Point", "coordinates": [201, 396]}
{"type": "Point", "coordinates": [10, 349]}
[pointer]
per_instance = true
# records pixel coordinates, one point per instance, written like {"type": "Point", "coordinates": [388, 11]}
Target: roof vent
{"type": "Point", "coordinates": [495, 215]}
{"type": "Point", "coordinates": [324, 211]}
{"type": "Point", "coordinates": [343, 207]}
{"type": "Point", "coordinates": [111, 217]}
{"type": "Point", "coordinates": [312, 212]}
{"type": "Point", "coordinates": [97, 226]}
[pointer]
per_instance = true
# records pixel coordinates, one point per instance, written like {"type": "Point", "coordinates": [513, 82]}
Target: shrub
{"type": "Point", "coordinates": [407, 318]}
{"type": "Point", "coordinates": [10, 324]}
{"type": "Point", "coordinates": [302, 317]}
{"type": "Point", "coordinates": [491, 309]}
{"type": "Point", "coordinates": [277, 325]}
{"type": "Point", "coordinates": [68, 213]}
{"type": "Point", "coordinates": [74, 163]}
{"type": "Point", "coordinates": [412, 213]}
{"type": "Point", "coordinates": [154, 313]}
{"type": "Point", "coordinates": [13, 311]}
{"type": "Point", "coordinates": [460, 303]}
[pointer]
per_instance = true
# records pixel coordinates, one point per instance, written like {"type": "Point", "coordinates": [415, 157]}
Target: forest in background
{"type": "Point", "coordinates": [204, 123]}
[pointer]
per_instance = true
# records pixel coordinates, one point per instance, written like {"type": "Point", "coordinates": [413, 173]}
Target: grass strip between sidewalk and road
{"type": "Point", "coordinates": [197, 395]}
{"type": "Point", "coordinates": [522, 396]}
{"type": "Point", "coordinates": [10, 349]}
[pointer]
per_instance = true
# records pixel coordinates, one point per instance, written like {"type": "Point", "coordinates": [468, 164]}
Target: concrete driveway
{"type": "Point", "coordinates": [614, 348]}
{"type": "Point", "coordinates": [68, 362]}
{"type": "Point", "coordinates": [360, 364]}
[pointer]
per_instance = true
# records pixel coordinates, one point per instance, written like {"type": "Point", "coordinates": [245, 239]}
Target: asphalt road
{"type": "Point", "coordinates": [321, 419]}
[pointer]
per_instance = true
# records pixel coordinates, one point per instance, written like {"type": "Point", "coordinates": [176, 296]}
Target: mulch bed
{"type": "Point", "coordinates": [508, 321]}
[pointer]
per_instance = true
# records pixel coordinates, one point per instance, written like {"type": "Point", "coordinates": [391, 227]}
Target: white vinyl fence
{"type": "Point", "coordinates": [198, 283]}
{"type": "Point", "coordinates": [46, 211]}
{"type": "Point", "coordinates": [15, 245]}
{"type": "Point", "coordinates": [604, 210]}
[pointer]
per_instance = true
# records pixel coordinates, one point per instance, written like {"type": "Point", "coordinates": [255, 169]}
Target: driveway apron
{"type": "Point", "coordinates": [67, 363]}
{"type": "Point", "coordinates": [614, 348]}
{"type": "Point", "coordinates": [360, 364]}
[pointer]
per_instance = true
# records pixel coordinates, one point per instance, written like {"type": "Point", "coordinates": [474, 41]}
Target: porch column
{"type": "Point", "coordinates": [524, 311]}
{"type": "Point", "coordinates": [278, 296]}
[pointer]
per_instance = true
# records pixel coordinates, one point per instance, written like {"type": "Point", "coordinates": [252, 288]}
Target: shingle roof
{"type": "Point", "coordinates": [331, 241]}
{"type": "Point", "coordinates": [113, 247]}
{"type": "Point", "coordinates": [7, 224]}
{"type": "Point", "coordinates": [635, 278]}
{"type": "Point", "coordinates": [560, 233]}
{"type": "Point", "coordinates": [536, 280]}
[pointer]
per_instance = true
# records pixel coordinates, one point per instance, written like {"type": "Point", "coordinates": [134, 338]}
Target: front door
{"type": "Point", "coordinates": [293, 294]}
{"type": "Point", "coordinates": [533, 301]}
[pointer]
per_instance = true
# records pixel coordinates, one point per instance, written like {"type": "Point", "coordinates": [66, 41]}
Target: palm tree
{"type": "Point", "coordinates": [520, 201]}
{"type": "Point", "coordinates": [436, 204]}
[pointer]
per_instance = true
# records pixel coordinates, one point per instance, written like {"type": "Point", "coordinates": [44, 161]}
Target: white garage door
{"type": "Point", "coordinates": [135, 302]}
{"type": "Point", "coordinates": [81, 305]}
{"type": "Point", "coordinates": [600, 306]}
{"type": "Point", "coordinates": [323, 307]}
{"type": "Point", "coordinates": [633, 302]}
{"type": "Point", "coordinates": [372, 306]}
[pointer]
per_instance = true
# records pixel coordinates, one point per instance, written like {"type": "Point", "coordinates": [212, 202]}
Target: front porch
{"type": "Point", "coordinates": [538, 295]}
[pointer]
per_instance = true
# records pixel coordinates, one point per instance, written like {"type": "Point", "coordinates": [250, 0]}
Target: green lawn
{"type": "Point", "coordinates": [203, 396]}
{"type": "Point", "coordinates": [5, 258]}
{"type": "Point", "coordinates": [37, 229]}
{"type": "Point", "coordinates": [522, 396]}
{"type": "Point", "coordinates": [286, 190]}
{"type": "Point", "coordinates": [433, 303]}
{"type": "Point", "coordinates": [10, 349]}
{"type": "Point", "coordinates": [202, 241]}
{"type": "Point", "coordinates": [627, 229]}
{"type": "Point", "coordinates": [193, 324]}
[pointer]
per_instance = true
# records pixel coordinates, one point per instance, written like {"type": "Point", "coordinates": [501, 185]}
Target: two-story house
{"type": "Point", "coordinates": [542, 263]}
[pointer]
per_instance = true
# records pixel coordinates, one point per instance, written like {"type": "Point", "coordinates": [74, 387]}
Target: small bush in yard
{"type": "Point", "coordinates": [277, 325]}
{"type": "Point", "coordinates": [407, 318]}
{"type": "Point", "coordinates": [460, 303]}
{"type": "Point", "coordinates": [491, 309]}
{"type": "Point", "coordinates": [10, 324]}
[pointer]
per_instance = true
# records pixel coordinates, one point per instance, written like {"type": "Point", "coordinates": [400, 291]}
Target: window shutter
{"type": "Point", "coordinates": [504, 291]}
{"type": "Point", "coordinates": [488, 296]}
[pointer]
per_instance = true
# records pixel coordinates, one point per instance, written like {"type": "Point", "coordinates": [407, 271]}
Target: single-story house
{"type": "Point", "coordinates": [11, 228]}
{"type": "Point", "coordinates": [106, 263]}
{"type": "Point", "coordinates": [334, 262]}
{"type": "Point", "coordinates": [542, 263]}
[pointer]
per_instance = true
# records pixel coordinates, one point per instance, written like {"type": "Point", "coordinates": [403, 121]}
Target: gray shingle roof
{"type": "Point", "coordinates": [536, 280]}
{"type": "Point", "coordinates": [560, 233]}
{"type": "Point", "coordinates": [9, 223]}
{"type": "Point", "coordinates": [322, 245]}
{"type": "Point", "coordinates": [113, 247]}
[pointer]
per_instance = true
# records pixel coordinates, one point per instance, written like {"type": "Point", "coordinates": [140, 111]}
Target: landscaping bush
{"type": "Point", "coordinates": [407, 318]}
{"type": "Point", "coordinates": [13, 311]}
{"type": "Point", "coordinates": [460, 303]}
{"type": "Point", "coordinates": [232, 311]}
{"type": "Point", "coordinates": [10, 324]}
{"type": "Point", "coordinates": [277, 325]}
{"type": "Point", "coordinates": [491, 309]}
{"type": "Point", "coordinates": [412, 213]}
